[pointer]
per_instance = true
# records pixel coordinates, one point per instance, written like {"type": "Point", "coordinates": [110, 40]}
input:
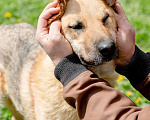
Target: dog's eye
{"type": "Point", "coordinates": [76, 27]}
{"type": "Point", "coordinates": [105, 18]}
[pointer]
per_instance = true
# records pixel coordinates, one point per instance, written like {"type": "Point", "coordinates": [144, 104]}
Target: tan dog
{"type": "Point", "coordinates": [28, 87]}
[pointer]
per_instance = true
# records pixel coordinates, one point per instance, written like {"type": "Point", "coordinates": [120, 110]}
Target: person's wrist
{"type": "Point", "coordinates": [138, 68]}
{"type": "Point", "coordinates": [57, 60]}
{"type": "Point", "coordinates": [68, 69]}
{"type": "Point", "coordinates": [125, 58]}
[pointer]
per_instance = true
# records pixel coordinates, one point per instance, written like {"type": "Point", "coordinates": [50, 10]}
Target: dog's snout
{"type": "Point", "coordinates": [107, 48]}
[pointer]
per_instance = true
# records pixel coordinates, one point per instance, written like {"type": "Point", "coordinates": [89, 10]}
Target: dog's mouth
{"type": "Point", "coordinates": [84, 62]}
{"type": "Point", "coordinates": [98, 59]}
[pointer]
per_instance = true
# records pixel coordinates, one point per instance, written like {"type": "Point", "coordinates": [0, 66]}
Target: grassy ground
{"type": "Point", "coordinates": [21, 10]}
{"type": "Point", "coordinates": [138, 12]}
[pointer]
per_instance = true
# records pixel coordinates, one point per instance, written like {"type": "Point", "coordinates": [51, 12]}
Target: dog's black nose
{"type": "Point", "coordinates": [107, 48]}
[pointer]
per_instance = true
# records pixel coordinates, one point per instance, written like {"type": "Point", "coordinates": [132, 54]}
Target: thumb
{"type": "Point", "coordinates": [55, 27]}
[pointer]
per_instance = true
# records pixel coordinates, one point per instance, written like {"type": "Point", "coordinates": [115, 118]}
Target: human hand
{"type": "Point", "coordinates": [125, 37]}
{"type": "Point", "coordinates": [51, 40]}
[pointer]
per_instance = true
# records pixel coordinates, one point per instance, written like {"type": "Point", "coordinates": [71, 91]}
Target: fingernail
{"type": "Point", "coordinates": [55, 2]}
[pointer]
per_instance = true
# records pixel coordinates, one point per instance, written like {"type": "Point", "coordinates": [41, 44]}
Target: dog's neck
{"type": "Point", "coordinates": [105, 71]}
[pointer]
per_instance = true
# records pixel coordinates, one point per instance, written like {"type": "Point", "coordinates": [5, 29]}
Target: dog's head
{"type": "Point", "coordinates": [90, 27]}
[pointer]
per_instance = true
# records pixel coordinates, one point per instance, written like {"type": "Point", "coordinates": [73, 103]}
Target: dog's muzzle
{"type": "Point", "coordinates": [106, 51]}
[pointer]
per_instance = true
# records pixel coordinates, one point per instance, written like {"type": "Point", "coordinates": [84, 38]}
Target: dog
{"type": "Point", "coordinates": [28, 87]}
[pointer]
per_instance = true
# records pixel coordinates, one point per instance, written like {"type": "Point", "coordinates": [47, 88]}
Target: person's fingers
{"type": "Point", "coordinates": [48, 13]}
{"type": "Point", "coordinates": [121, 23]}
{"type": "Point", "coordinates": [50, 5]}
{"type": "Point", "coordinates": [120, 11]}
{"type": "Point", "coordinates": [42, 22]}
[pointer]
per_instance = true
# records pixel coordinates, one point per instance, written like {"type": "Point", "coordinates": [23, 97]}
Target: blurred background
{"type": "Point", "coordinates": [137, 11]}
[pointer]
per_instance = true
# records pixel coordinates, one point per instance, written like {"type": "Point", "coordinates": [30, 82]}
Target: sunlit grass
{"type": "Point", "coordinates": [14, 11]}
{"type": "Point", "coordinates": [125, 87]}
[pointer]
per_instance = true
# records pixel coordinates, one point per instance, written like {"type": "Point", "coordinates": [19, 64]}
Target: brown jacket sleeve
{"type": "Point", "coordinates": [94, 99]}
{"type": "Point", "coordinates": [144, 87]}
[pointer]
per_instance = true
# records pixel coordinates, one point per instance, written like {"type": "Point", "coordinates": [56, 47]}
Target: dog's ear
{"type": "Point", "coordinates": [110, 2]}
{"type": "Point", "coordinates": [62, 5]}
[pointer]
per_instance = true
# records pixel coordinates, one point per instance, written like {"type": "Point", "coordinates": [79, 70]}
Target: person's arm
{"type": "Point", "coordinates": [138, 72]}
{"type": "Point", "coordinates": [94, 98]}
{"type": "Point", "coordinates": [132, 63]}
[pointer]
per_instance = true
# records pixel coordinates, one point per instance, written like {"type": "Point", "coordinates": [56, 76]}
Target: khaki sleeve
{"type": "Point", "coordinates": [95, 99]}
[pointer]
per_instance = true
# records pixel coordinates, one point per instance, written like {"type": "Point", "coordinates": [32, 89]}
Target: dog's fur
{"type": "Point", "coordinates": [28, 87]}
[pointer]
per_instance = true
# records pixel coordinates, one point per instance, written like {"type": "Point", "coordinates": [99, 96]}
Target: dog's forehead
{"type": "Point", "coordinates": [86, 9]}
{"type": "Point", "coordinates": [76, 6]}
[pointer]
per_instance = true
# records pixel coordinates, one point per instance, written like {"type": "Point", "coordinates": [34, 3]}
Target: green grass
{"type": "Point", "coordinates": [21, 10]}
{"type": "Point", "coordinates": [125, 87]}
{"type": "Point", "coordinates": [137, 11]}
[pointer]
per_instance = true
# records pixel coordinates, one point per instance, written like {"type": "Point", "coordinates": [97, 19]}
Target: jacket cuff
{"type": "Point", "coordinates": [138, 69]}
{"type": "Point", "coordinates": [68, 69]}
